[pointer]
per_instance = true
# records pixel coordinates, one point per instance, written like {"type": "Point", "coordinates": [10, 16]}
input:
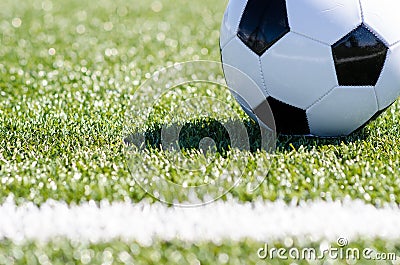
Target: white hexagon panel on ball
{"type": "Point", "coordinates": [388, 87]}
{"type": "Point", "coordinates": [324, 20]}
{"type": "Point", "coordinates": [238, 55]}
{"type": "Point", "coordinates": [298, 70]}
{"type": "Point", "coordinates": [383, 16]}
{"type": "Point", "coordinates": [342, 111]}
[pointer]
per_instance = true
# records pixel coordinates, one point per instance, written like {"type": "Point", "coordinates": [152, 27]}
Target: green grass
{"type": "Point", "coordinates": [175, 252]}
{"type": "Point", "coordinates": [63, 117]}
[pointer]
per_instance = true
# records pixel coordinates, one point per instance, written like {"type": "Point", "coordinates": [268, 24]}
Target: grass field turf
{"type": "Point", "coordinates": [68, 71]}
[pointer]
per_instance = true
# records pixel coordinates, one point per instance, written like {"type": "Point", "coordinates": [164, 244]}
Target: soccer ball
{"type": "Point", "coordinates": [325, 67]}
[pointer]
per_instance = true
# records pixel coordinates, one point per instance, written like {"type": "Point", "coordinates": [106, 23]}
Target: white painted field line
{"type": "Point", "coordinates": [143, 222]}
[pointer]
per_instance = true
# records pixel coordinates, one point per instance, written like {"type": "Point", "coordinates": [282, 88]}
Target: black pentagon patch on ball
{"type": "Point", "coordinates": [263, 23]}
{"type": "Point", "coordinates": [288, 119]}
{"type": "Point", "coordinates": [359, 58]}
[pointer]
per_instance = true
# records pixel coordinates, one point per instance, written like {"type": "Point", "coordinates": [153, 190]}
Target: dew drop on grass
{"type": "Point", "coordinates": [156, 6]}
{"type": "Point", "coordinates": [16, 22]}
